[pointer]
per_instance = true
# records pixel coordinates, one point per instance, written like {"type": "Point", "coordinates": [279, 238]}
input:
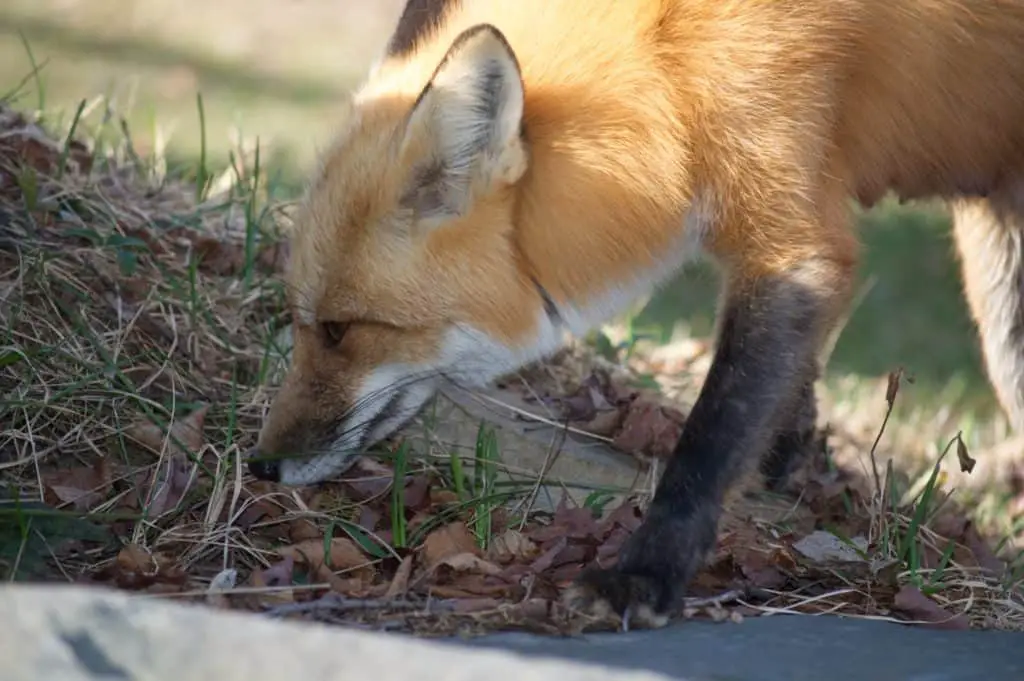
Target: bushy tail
{"type": "Point", "coordinates": [990, 238]}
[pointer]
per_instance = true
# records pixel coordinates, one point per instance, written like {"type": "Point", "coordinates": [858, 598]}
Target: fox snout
{"type": "Point", "coordinates": [312, 434]}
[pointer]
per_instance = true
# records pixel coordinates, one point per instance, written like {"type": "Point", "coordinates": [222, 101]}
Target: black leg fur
{"type": "Point", "coordinates": [768, 340]}
{"type": "Point", "coordinates": [795, 440]}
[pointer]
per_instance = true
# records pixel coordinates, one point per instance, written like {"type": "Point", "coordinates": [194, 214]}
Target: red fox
{"type": "Point", "coordinates": [512, 171]}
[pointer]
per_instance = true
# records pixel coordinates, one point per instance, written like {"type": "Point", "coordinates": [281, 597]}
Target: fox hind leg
{"type": "Point", "coordinates": [989, 234]}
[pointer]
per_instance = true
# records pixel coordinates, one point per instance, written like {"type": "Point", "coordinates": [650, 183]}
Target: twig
{"type": "Point", "coordinates": [339, 604]}
{"type": "Point", "coordinates": [891, 390]}
{"type": "Point", "coordinates": [724, 597]}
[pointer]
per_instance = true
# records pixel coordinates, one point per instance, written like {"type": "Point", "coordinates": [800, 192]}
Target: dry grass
{"type": "Point", "coordinates": [140, 315]}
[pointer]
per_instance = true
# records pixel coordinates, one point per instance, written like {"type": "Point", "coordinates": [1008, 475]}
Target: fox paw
{"type": "Point", "coordinates": [654, 568]}
{"type": "Point", "coordinates": [637, 600]}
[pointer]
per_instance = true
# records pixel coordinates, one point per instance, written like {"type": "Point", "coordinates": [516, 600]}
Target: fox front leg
{"type": "Point", "coordinates": [770, 330]}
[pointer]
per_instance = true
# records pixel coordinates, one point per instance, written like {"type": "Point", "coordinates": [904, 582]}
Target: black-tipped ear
{"type": "Point", "coordinates": [467, 123]}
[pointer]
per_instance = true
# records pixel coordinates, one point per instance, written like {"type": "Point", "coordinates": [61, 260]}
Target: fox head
{"type": "Point", "coordinates": [404, 269]}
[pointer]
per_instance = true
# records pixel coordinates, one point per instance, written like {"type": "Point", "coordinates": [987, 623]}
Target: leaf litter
{"type": "Point", "coordinates": [135, 360]}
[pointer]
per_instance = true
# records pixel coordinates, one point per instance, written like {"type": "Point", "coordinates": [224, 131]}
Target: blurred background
{"type": "Point", "coordinates": [276, 69]}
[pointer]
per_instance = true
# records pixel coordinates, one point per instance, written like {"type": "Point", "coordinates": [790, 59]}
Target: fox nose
{"type": "Point", "coordinates": [264, 469]}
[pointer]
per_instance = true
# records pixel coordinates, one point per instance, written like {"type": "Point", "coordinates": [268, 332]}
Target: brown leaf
{"type": "Point", "coordinates": [188, 430]}
{"type": "Point", "coordinates": [137, 568]}
{"type": "Point", "coordinates": [604, 423]}
{"type": "Point", "coordinates": [563, 575]}
{"type": "Point", "coordinates": [893, 385]}
{"type": "Point", "coordinates": [172, 483]}
{"type": "Point", "coordinates": [626, 515]}
{"type": "Point", "coordinates": [649, 429]}
{"type": "Point", "coordinates": [417, 493]}
{"type": "Point", "coordinates": [821, 546]}
{"type": "Point", "coordinates": [400, 582]}
{"type": "Point", "coordinates": [547, 559]}
{"type": "Point", "coordinates": [574, 522]}
{"type": "Point", "coordinates": [367, 479]}
{"type": "Point", "coordinates": [302, 530]}
{"type": "Point", "coordinates": [218, 257]}
{"type": "Point", "coordinates": [253, 513]}
{"type": "Point", "coordinates": [83, 488]}
{"type": "Point", "coordinates": [443, 497]}
{"type": "Point", "coordinates": [368, 518]}
{"type": "Point", "coordinates": [448, 540]}
{"type": "Point", "coordinates": [470, 562]}
{"type": "Point", "coordinates": [759, 567]}
{"type": "Point", "coordinates": [912, 602]}
{"type": "Point", "coordinates": [278, 575]}
{"type": "Point", "coordinates": [511, 545]}
{"type": "Point", "coordinates": [343, 554]}
{"type": "Point", "coordinates": [608, 550]}
{"type": "Point", "coordinates": [966, 462]}
{"type": "Point", "coordinates": [135, 559]}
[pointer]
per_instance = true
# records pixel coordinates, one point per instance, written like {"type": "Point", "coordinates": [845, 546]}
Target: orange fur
{"type": "Point", "coordinates": [651, 127]}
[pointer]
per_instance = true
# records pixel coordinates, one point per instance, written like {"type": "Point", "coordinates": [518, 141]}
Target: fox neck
{"type": "Point", "coordinates": [601, 226]}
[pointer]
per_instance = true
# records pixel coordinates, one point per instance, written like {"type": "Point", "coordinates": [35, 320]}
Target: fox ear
{"type": "Point", "coordinates": [464, 131]}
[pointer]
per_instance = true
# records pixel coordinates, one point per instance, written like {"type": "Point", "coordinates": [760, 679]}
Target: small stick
{"type": "Point", "coordinates": [724, 597]}
{"type": "Point", "coordinates": [338, 604]}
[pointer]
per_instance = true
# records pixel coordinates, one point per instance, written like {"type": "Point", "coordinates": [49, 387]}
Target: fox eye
{"type": "Point", "coordinates": [333, 332]}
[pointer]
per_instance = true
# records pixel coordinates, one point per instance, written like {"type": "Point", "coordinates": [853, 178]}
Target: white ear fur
{"type": "Point", "coordinates": [468, 119]}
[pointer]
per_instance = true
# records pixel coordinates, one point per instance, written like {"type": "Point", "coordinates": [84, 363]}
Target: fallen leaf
{"type": "Point", "coordinates": [824, 547]}
{"type": "Point", "coordinates": [135, 559]}
{"type": "Point", "coordinates": [626, 515]}
{"type": "Point", "coordinates": [172, 484]}
{"type": "Point", "coordinates": [547, 559]}
{"type": "Point", "coordinates": [574, 522]}
{"type": "Point", "coordinates": [448, 540]}
{"type": "Point", "coordinates": [278, 575]}
{"type": "Point", "coordinates": [611, 546]}
{"type": "Point", "coordinates": [368, 518]}
{"type": "Point", "coordinates": [302, 530]}
{"type": "Point", "coordinates": [443, 497]}
{"type": "Point", "coordinates": [343, 554]}
{"type": "Point", "coordinates": [189, 431]}
{"type": "Point", "coordinates": [137, 568]}
{"type": "Point", "coordinates": [649, 429]}
{"type": "Point", "coordinates": [83, 488]}
{"type": "Point", "coordinates": [564, 574]}
{"type": "Point", "coordinates": [511, 545]}
{"type": "Point", "coordinates": [366, 480]}
{"type": "Point", "coordinates": [416, 495]}
{"type": "Point", "coordinates": [605, 423]}
{"type": "Point", "coordinates": [760, 568]}
{"type": "Point", "coordinates": [470, 562]}
{"type": "Point", "coordinates": [912, 602]}
{"type": "Point", "coordinates": [400, 582]}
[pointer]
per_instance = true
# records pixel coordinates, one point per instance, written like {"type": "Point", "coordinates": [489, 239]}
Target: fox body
{"type": "Point", "coordinates": [513, 171]}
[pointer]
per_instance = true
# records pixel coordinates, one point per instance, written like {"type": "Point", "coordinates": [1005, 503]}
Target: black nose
{"type": "Point", "coordinates": [265, 469]}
